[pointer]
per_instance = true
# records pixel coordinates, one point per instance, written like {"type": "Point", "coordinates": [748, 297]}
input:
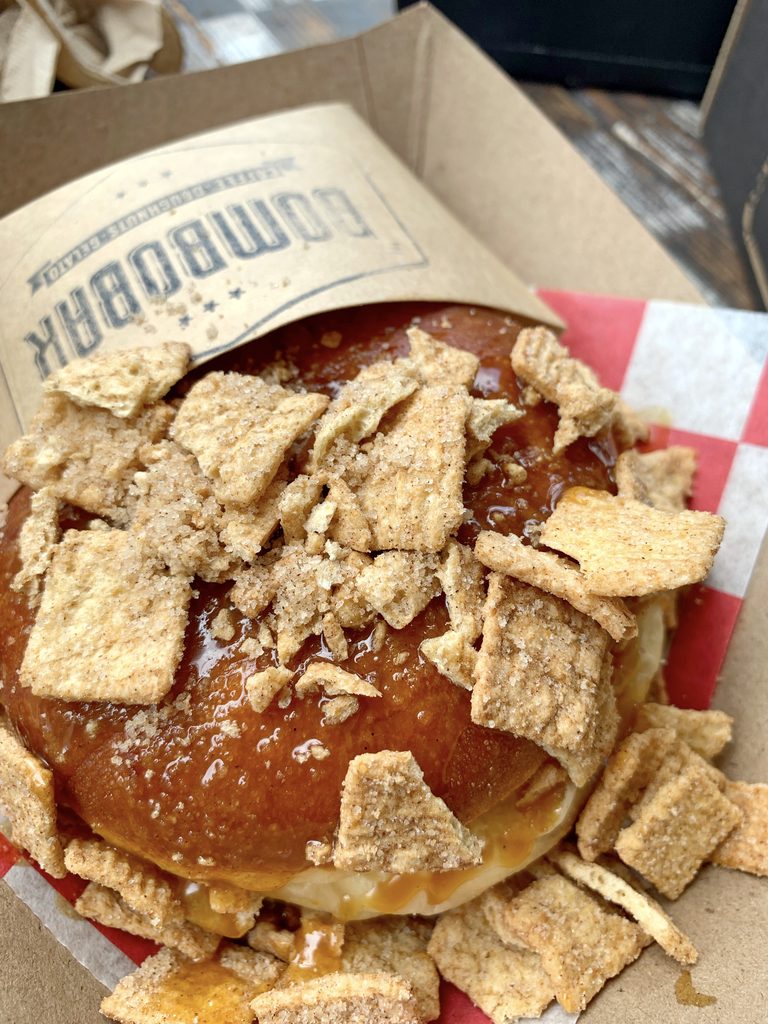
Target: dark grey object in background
{"type": "Point", "coordinates": [736, 134]}
{"type": "Point", "coordinates": [656, 46]}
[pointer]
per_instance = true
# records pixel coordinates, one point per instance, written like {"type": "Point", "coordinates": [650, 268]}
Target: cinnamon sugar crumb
{"type": "Point", "coordinates": [663, 479]}
{"type": "Point", "coordinates": [334, 681]}
{"type": "Point", "coordinates": [453, 656]}
{"type": "Point", "coordinates": [263, 687]}
{"type": "Point", "coordinates": [222, 626]}
{"type": "Point", "coordinates": [360, 406]}
{"type": "Point", "coordinates": [462, 578]}
{"type": "Point", "coordinates": [339, 709]}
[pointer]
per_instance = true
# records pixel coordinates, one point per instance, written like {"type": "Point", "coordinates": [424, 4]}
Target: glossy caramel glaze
{"type": "Point", "coordinates": [202, 784]}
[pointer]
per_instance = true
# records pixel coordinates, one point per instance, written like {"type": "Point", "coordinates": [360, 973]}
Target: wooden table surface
{"type": "Point", "coordinates": [646, 148]}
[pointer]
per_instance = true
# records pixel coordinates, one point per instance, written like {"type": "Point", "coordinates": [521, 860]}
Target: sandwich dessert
{"type": "Point", "coordinates": [336, 665]}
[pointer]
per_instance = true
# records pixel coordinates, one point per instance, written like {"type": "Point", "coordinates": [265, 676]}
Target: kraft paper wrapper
{"type": "Point", "coordinates": [222, 237]}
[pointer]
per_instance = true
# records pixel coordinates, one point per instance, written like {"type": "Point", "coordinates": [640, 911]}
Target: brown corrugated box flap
{"type": "Point", "coordinates": [511, 177]}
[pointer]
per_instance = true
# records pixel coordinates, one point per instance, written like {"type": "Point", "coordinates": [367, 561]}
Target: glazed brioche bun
{"type": "Point", "coordinates": [215, 794]}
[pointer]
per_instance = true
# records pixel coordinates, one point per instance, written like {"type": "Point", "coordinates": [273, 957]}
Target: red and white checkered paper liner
{"type": "Point", "coordinates": [702, 376]}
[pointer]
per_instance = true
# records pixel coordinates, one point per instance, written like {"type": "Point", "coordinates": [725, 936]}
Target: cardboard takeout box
{"type": "Point", "coordinates": [507, 174]}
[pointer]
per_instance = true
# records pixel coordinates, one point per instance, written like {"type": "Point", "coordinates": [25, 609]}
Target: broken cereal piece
{"type": "Point", "coordinates": [86, 457]}
{"type": "Point", "coordinates": [263, 687]}
{"type": "Point", "coordinates": [229, 899]}
{"type": "Point", "coordinates": [686, 819]}
{"type": "Point", "coordinates": [143, 887]}
{"type": "Point", "coordinates": [351, 998]}
{"type": "Point", "coordinates": [437, 363]}
{"type": "Point", "coordinates": [453, 656]}
{"type": "Point", "coordinates": [110, 625]}
{"type": "Point", "coordinates": [462, 578]}
{"type": "Point", "coordinates": [259, 969]}
{"type": "Point", "coordinates": [240, 429]}
{"type": "Point", "coordinates": [557, 576]}
{"type": "Point", "coordinates": [26, 794]}
{"type": "Point", "coordinates": [629, 770]}
{"type": "Point", "coordinates": [746, 848]}
{"type": "Point", "coordinates": [349, 526]}
{"type": "Point", "coordinates": [486, 416]}
{"type": "Point", "coordinates": [265, 938]}
{"type": "Point", "coordinates": [549, 777]}
{"type": "Point", "coordinates": [412, 492]}
{"type": "Point", "coordinates": [678, 759]}
{"type": "Point", "coordinates": [295, 504]}
{"type": "Point", "coordinates": [494, 901]}
{"type": "Point", "coordinates": [663, 479]}
{"type": "Point", "coordinates": [105, 906]}
{"type": "Point", "coordinates": [360, 406]}
{"type": "Point", "coordinates": [395, 945]}
{"type": "Point", "coordinates": [336, 577]}
{"type": "Point", "coordinates": [646, 911]}
{"type": "Point", "coordinates": [245, 531]}
{"type": "Point", "coordinates": [39, 536]}
{"type": "Point", "coordinates": [170, 989]}
{"type": "Point", "coordinates": [543, 673]}
{"type": "Point", "coordinates": [319, 851]}
{"type": "Point", "coordinates": [581, 943]}
{"type": "Point", "coordinates": [583, 405]}
{"type": "Point", "coordinates": [706, 732]}
{"type": "Point", "coordinates": [334, 637]}
{"type": "Point", "coordinates": [176, 516]}
{"type": "Point", "coordinates": [505, 982]}
{"type": "Point", "coordinates": [335, 681]}
{"type": "Point", "coordinates": [626, 548]}
{"type": "Point", "coordinates": [629, 426]}
{"type": "Point", "coordinates": [391, 821]}
{"type": "Point", "coordinates": [399, 585]}
{"type": "Point", "coordinates": [122, 382]}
